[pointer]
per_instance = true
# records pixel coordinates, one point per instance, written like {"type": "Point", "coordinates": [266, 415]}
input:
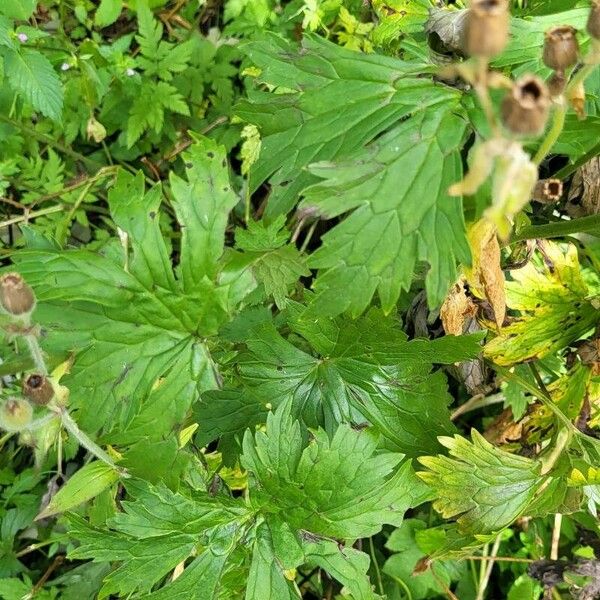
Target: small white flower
{"type": "Point", "coordinates": [130, 72]}
{"type": "Point", "coordinates": [65, 66]}
{"type": "Point", "coordinates": [22, 37]}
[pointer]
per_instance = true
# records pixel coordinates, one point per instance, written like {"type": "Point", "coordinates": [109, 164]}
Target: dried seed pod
{"type": "Point", "coordinates": [38, 389]}
{"type": "Point", "coordinates": [525, 108]}
{"type": "Point", "coordinates": [557, 83]}
{"type": "Point", "coordinates": [486, 28]}
{"type": "Point", "coordinates": [561, 49]}
{"type": "Point", "coordinates": [593, 24]}
{"type": "Point", "coordinates": [15, 414]}
{"type": "Point", "coordinates": [16, 297]}
{"type": "Point", "coordinates": [548, 191]}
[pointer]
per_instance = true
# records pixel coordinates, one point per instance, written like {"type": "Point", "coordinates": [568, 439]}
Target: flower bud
{"type": "Point", "coordinates": [38, 389]}
{"type": "Point", "coordinates": [525, 108]}
{"type": "Point", "coordinates": [486, 28]}
{"type": "Point", "coordinates": [557, 83]}
{"type": "Point", "coordinates": [15, 414]}
{"type": "Point", "coordinates": [95, 130]}
{"type": "Point", "coordinates": [561, 49]}
{"type": "Point", "coordinates": [16, 297]}
{"type": "Point", "coordinates": [548, 191]}
{"type": "Point", "coordinates": [593, 24]}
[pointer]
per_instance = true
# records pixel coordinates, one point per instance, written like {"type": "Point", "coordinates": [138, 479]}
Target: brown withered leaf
{"type": "Point", "coordinates": [503, 429]}
{"type": "Point", "coordinates": [486, 278]}
{"type": "Point", "coordinates": [584, 195]}
{"type": "Point", "coordinates": [456, 309]}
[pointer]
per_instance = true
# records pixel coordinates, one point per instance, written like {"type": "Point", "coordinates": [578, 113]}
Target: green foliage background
{"type": "Point", "coordinates": [236, 220]}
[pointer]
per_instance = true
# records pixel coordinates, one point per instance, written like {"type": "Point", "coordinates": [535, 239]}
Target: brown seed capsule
{"type": "Point", "coordinates": [561, 49]}
{"type": "Point", "coordinates": [38, 389]}
{"type": "Point", "coordinates": [525, 108]}
{"type": "Point", "coordinates": [15, 414]}
{"type": "Point", "coordinates": [16, 297]}
{"type": "Point", "coordinates": [548, 191]}
{"type": "Point", "coordinates": [557, 83]}
{"type": "Point", "coordinates": [486, 28]}
{"type": "Point", "coordinates": [593, 24]}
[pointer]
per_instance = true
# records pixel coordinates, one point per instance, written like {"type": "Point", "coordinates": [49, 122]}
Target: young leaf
{"type": "Point", "coordinates": [483, 487]}
{"type": "Point", "coordinates": [399, 213]}
{"type": "Point", "coordinates": [309, 125]}
{"type": "Point", "coordinates": [84, 485]}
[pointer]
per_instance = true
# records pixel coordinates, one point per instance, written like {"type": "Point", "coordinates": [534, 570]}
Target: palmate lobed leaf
{"type": "Point", "coordinates": [138, 329]}
{"type": "Point", "coordinates": [301, 493]}
{"type": "Point", "coordinates": [398, 212]}
{"type": "Point", "coordinates": [307, 126]}
{"type": "Point", "coordinates": [361, 371]}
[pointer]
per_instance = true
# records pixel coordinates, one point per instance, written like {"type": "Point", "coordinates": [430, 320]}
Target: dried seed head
{"type": "Point", "coordinates": [557, 83]}
{"type": "Point", "coordinates": [38, 389]}
{"type": "Point", "coordinates": [561, 49]}
{"type": "Point", "coordinates": [15, 414]}
{"type": "Point", "coordinates": [486, 28]}
{"type": "Point", "coordinates": [593, 24]}
{"type": "Point", "coordinates": [548, 191]}
{"type": "Point", "coordinates": [525, 108]}
{"type": "Point", "coordinates": [16, 297]}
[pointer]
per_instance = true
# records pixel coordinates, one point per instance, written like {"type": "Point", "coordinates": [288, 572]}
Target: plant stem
{"type": "Point", "coordinates": [376, 566]}
{"type": "Point", "coordinates": [560, 229]}
{"type": "Point", "coordinates": [476, 402]}
{"type": "Point", "coordinates": [488, 569]}
{"type": "Point", "coordinates": [32, 215]}
{"type": "Point", "coordinates": [72, 427]}
{"type": "Point", "coordinates": [36, 353]}
{"type": "Point", "coordinates": [555, 536]}
{"type": "Point", "coordinates": [558, 123]}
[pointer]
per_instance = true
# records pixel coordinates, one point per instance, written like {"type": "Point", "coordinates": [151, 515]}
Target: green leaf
{"type": "Point", "coordinates": [554, 304]}
{"type": "Point", "coordinates": [31, 74]}
{"type": "Point", "coordinates": [362, 370]}
{"type": "Point", "coordinates": [483, 487]}
{"type": "Point", "coordinates": [266, 579]}
{"type": "Point", "coordinates": [295, 479]}
{"type": "Point", "coordinates": [157, 531]}
{"type": "Point", "coordinates": [347, 565]}
{"type": "Point", "coordinates": [399, 213]}
{"type": "Point", "coordinates": [20, 10]}
{"type": "Point", "coordinates": [275, 265]}
{"type": "Point", "coordinates": [84, 485]}
{"type": "Point", "coordinates": [108, 12]}
{"type": "Point", "coordinates": [141, 360]}
{"type": "Point", "coordinates": [337, 100]}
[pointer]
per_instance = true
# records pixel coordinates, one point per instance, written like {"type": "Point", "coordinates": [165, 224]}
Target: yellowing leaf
{"type": "Point", "coordinates": [457, 308]}
{"type": "Point", "coordinates": [486, 278]}
{"type": "Point", "coordinates": [554, 306]}
{"type": "Point", "coordinates": [87, 483]}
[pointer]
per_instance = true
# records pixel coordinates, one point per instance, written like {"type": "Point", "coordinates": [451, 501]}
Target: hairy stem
{"type": "Point", "coordinates": [558, 123]}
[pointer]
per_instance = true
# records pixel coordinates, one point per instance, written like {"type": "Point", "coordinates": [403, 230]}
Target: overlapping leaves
{"type": "Point", "coordinates": [362, 371]}
{"type": "Point", "coordinates": [295, 504]}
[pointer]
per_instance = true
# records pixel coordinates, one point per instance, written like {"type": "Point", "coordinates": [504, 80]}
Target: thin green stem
{"type": "Point", "coordinates": [403, 585]}
{"type": "Point", "coordinates": [83, 439]}
{"type": "Point", "coordinates": [376, 566]}
{"type": "Point", "coordinates": [36, 353]}
{"type": "Point", "coordinates": [558, 123]}
{"type": "Point", "coordinates": [560, 229]}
